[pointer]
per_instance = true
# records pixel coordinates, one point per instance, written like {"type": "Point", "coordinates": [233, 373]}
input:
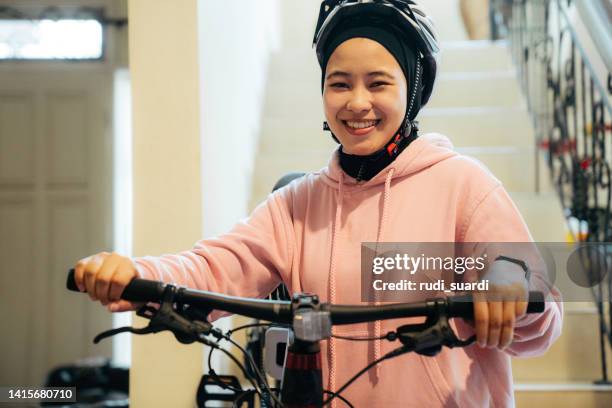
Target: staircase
{"type": "Point", "coordinates": [479, 105]}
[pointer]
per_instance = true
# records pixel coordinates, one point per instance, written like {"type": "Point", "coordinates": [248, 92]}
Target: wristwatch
{"type": "Point", "coordinates": [518, 262]}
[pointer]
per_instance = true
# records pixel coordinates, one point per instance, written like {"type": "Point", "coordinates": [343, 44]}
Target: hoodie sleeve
{"type": "Point", "coordinates": [495, 219]}
{"type": "Point", "coordinates": [250, 260]}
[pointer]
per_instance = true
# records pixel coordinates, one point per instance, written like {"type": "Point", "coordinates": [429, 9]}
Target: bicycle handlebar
{"type": "Point", "coordinates": [143, 290]}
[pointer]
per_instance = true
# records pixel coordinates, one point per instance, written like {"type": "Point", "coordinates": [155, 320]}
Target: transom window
{"type": "Point", "coordinates": [46, 39]}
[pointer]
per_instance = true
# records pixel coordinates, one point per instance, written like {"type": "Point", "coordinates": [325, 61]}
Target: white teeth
{"type": "Point", "coordinates": [361, 125]}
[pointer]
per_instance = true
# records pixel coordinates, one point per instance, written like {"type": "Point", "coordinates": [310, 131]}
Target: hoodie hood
{"type": "Point", "coordinates": [425, 151]}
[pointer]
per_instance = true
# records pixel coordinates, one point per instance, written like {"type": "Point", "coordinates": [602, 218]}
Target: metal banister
{"type": "Point", "coordinates": [572, 117]}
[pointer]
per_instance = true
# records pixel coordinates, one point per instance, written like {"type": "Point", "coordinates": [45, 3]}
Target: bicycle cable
{"type": "Point", "coordinates": [215, 376]}
{"type": "Point", "coordinates": [260, 377]}
{"type": "Point", "coordinates": [238, 363]}
{"type": "Point", "coordinates": [394, 353]}
{"type": "Point", "coordinates": [391, 336]}
{"type": "Point", "coordinates": [341, 398]}
{"type": "Point", "coordinates": [247, 326]}
{"type": "Point", "coordinates": [212, 372]}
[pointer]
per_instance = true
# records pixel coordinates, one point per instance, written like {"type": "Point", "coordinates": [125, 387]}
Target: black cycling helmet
{"type": "Point", "coordinates": [404, 17]}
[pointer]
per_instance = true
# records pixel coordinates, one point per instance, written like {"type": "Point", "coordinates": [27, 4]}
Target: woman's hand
{"type": "Point", "coordinates": [104, 276]}
{"type": "Point", "coordinates": [495, 313]}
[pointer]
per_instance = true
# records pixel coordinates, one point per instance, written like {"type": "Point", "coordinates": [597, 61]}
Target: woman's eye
{"type": "Point", "coordinates": [378, 84]}
{"type": "Point", "coordinates": [339, 85]}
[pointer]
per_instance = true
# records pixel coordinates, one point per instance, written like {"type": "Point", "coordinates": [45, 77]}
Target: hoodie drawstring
{"type": "Point", "coordinates": [379, 237]}
{"type": "Point", "coordinates": [332, 278]}
{"type": "Point", "coordinates": [332, 284]}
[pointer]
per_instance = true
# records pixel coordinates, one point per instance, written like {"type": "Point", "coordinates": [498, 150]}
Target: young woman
{"type": "Point", "coordinates": [385, 183]}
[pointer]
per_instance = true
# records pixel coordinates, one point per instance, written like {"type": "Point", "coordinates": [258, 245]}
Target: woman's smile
{"type": "Point", "coordinates": [360, 127]}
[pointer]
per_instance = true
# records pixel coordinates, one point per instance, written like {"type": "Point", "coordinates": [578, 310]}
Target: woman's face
{"type": "Point", "coordinates": [364, 95]}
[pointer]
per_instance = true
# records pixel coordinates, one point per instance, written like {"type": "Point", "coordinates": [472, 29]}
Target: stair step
{"type": "Point", "coordinates": [475, 56]}
{"type": "Point", "coordinates": [564, 395]}
{"type": "Point", "coordinates": [542, 213]}
{"type": "Point", "coordinates": [574, 357]}
{"type": "Point", "coordinates": [560, 387]}
{"type": "Point", "coordinates": [513, 166]}
{"type": "Point", "coordinates": [480, 126]}
{"type": "Point", "coordinates": [477, 90]}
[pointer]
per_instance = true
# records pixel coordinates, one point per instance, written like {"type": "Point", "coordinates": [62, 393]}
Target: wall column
{"type": "Point", "coordinates": [163, 53]}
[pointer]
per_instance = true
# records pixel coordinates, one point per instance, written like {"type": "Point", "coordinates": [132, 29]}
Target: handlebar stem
{"type": "Point", "coordinates": [310, 322]}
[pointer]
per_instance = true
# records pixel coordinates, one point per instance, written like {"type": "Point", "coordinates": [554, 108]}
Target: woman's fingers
{"type": "Point", "coordinates": [91, 270]}
{"type": "Point", "coordinates": [481, 318]}
{"type": "Point", "coordinates": [125, 273]}
{"type": "Point", "coordinates": [79, 273]}
{"type": "Point", "coordinates": [521, 304]}
{"type": "Point", "coordinates": [124, 306]}
{"type": "Point", "coordinates": [105, 276]}
{"type": "Point", "coordinates": [495, 323]}
{"type": "Point", "coordinates": [495, 315]}
{"type": "Point", "coordinates": [508, 319]}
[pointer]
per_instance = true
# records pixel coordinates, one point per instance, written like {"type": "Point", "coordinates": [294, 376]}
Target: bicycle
{"type": "Point", "coordinates": [185, 313]}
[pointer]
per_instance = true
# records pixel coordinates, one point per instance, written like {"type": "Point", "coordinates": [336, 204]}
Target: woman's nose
{"type": "Point", "coordinates": [359, 101]}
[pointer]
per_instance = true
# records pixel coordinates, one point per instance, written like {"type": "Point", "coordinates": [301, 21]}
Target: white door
{"type": "Point", "coordinates": [55, 207]}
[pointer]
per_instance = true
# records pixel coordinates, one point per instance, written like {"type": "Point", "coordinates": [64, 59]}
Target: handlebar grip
{"type": "Point", "coordinates": [70, 282]}
{"type": "Point", "coordinates": [138, 290]}
{"type": "Point", "coordinates": [462, 306]}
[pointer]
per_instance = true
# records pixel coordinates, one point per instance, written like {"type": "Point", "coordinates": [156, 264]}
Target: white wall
{"type": "Point", "coordinates": [236, 39]}
{"type": "Point", "coordinates": [233, 74]}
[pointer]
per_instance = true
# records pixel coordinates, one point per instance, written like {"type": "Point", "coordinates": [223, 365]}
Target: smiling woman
{"type": "Point", "coordinates": [365, 95]}
{"type": "Point", "coordinates": [374, 83]}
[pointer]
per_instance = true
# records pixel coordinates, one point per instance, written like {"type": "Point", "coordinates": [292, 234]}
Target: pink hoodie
{"type": "Point", "coordinates": [309, 236]}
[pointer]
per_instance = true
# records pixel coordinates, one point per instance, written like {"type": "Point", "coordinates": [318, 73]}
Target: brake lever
{"type": "Point", "coordinates": [128, 329]}
{"type": "Point", "coordinates": [187, 325]}
{"type": "Point", "coordinates": [429, 337]}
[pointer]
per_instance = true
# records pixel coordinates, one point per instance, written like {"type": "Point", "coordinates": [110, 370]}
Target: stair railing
{"type": "Point", "coordinates": [572, 117]}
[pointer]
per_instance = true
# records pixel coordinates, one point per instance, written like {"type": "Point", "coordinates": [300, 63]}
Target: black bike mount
{"type": "Point", "coordinates": [427, 338]}
{"type": "Point", "coordinates": [188, 324]}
